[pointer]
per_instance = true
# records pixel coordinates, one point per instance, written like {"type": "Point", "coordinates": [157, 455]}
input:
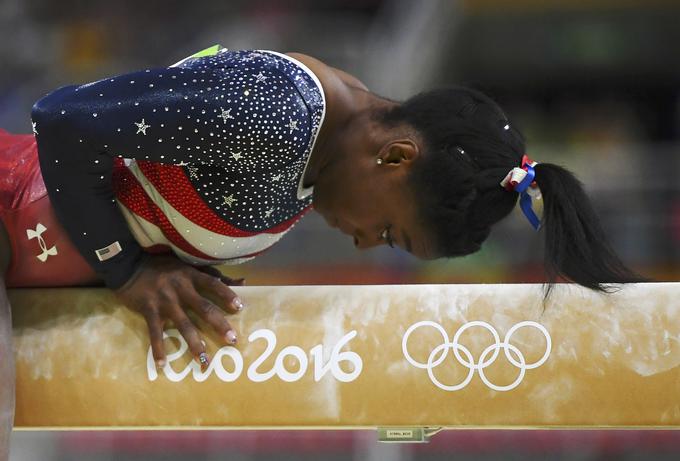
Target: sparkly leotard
{"type": "Point", "coordinates": [205, 158]}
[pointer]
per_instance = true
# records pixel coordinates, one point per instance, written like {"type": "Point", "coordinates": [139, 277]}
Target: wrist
{"type": "Point", "coordinates": [136, 273]}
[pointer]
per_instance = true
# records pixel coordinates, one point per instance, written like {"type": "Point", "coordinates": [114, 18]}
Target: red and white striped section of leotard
{"type": "Point", "coordinates": [163, 210]}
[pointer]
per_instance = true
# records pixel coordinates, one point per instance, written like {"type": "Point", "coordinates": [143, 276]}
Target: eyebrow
{"type": "Point", "coordinates": [407, 240]}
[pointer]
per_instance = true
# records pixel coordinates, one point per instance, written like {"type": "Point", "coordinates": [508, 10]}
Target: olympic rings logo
{"type": "Point", "coordinates": [468, 361]}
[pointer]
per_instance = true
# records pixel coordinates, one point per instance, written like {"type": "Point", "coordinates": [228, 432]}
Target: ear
{"type": "Point", "coordinates": [399, 151]}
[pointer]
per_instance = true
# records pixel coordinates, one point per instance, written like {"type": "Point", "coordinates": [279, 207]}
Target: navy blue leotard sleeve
{"type": "Point", "coordinates": [170, 115]}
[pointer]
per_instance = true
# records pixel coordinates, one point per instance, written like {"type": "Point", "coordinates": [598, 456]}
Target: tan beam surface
{"type": "Point", "coordinates": [360, 356]}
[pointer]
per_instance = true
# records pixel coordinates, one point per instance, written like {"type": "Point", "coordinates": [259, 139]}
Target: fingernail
{"type": "Point", "coordinates": [160, 364]}
{"type": "Point", "coordinates": [204, 344]}
{"type": "Point", "coordinates": [237, 303]}
{"type": "Point", "coordinates": [231, 337]}
{"type": "Point", "coordinates": [203, 359]}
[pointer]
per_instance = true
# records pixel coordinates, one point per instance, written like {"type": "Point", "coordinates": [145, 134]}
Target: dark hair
{"type": "Point", "coordinates": [469, 147]}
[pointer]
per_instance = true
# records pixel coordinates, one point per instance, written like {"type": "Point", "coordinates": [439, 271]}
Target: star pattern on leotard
{"type": "Point", "coordinates": [225, 115]}
{"type": "Point", "coordinates": [229, 200]}
{"type": "Point", "coordinates": [252, 56]}
{"type": "Point", "coordinates": [193, 171]}
{"type": "Point", "coordinates": [292, 125]}
{"type": "Point", "coordinates": [256, 132]}
{"type": "Point", "coordinates": [142, 127]}
{"type": "Point", "coordinates": [35, 129]}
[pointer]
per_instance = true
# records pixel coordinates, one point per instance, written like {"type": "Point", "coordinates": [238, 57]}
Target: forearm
{"type": "Point", "coordinates": [7, 373]}
{"type": "Point", "coordinates": [77, 173]}
{"type": "Point", "coordinates": [83, 200]}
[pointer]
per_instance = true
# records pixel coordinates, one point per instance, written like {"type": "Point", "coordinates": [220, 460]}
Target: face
{"type": "Point", "coordinates": [373, 203]}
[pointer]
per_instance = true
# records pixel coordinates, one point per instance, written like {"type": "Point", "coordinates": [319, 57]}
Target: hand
{"type": "Point", "coordinates": [164, 286]}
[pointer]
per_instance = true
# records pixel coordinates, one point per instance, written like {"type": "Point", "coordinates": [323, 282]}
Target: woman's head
{"type": "Point", "coordinates": [468, 147]}
{"type": "Point", "coordinates": [364, 187]}
{"type": "Point", "coordinates": [429, 171]}
{"type": "Point", "coordinates": [442, 155]}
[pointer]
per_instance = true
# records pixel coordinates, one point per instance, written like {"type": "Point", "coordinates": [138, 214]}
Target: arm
{"type": "Point", "coordinates": [80, 129]}
{"type": "Point", "coordinates": [163, 115]}
{"type": "Point", "coordinates": [78, 134]}
{"type": "Point", "coordinates": [197, 112]}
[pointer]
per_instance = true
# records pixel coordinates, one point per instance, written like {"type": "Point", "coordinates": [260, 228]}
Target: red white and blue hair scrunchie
{"type": "Point", "coordinates": [521, 179]}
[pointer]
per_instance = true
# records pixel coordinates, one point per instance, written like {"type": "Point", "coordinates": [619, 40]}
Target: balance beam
{"type": "Point", "coordinates": [491, 356]}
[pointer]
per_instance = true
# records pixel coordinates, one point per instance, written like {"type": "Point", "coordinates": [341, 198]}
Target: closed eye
{"type": "Point", "coordinates": [387, 236]}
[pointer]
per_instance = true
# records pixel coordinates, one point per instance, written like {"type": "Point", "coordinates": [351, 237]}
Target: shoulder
{"type": "Point", "coordinates": [330, 77]}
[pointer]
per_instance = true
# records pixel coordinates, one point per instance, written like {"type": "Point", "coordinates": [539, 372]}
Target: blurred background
{"type": "Point", "coordinates": [593, 84]}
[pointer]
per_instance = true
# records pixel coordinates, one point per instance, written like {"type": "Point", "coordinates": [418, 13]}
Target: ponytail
{"type": "Point", "coordinates": [576, 246]}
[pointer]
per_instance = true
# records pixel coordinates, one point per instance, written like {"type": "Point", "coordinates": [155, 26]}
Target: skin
{"type": "Point", "coordinates": [359, 169]}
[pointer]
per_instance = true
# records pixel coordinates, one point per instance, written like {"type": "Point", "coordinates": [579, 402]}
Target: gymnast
{"type": "Point", "coordinates": [145, 181]}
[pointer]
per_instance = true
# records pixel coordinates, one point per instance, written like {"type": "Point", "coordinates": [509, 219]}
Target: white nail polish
{"type": "Point", "coordinates": [231, 337]}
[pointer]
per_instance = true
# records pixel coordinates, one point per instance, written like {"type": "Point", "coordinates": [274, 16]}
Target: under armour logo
{"type": "Point", "coordinates": [37, 233]}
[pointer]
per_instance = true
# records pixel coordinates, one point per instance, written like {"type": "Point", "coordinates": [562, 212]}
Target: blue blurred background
{"type": "Point", "coordinates": [593, 85]}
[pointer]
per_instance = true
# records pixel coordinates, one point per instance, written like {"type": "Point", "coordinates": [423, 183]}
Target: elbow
{"type": "Point", "coordinates": [43, 110]}
{"type": "Point", "coordinates": [51, 112]}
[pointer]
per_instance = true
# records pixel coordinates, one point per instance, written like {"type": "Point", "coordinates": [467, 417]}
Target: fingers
{"type": "Point", "coordinates": [190, 334]}
{"type": "Point", "coordinates": [212, 315]}
{"type": "Point", "coordinates": [155, 325]}
{"type": "Point", "coordinates": [230, 301]}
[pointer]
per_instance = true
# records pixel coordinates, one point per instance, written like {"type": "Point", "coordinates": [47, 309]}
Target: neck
{"type": "Point", "coordinates": [348, 122]}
